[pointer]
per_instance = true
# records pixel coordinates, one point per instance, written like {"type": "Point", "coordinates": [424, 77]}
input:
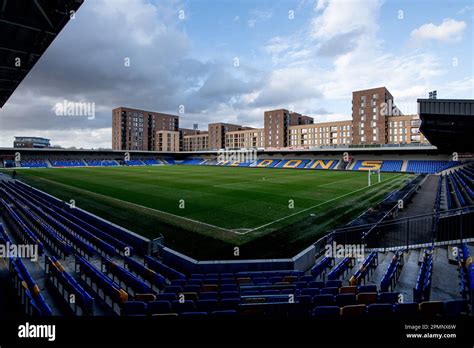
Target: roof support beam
{"type": "Point", "coordinates": [40, 8]}
{"type": "Point", "coordinates": [27, 27]}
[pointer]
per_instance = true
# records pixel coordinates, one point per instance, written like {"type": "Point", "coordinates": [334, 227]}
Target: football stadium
{"type": "Point", "coordinates": [319, 221]}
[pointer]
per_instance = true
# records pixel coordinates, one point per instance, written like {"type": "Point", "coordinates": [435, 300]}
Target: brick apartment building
{"type": "Point", "coordinates": [196, 142]}
{"type": "Point", "coordinates": [321, 134]}
{"type": "Point", "coordinates": [370, 108]}
{"type": "Point", "coordinates": [134, 129]}
{"type": "Point", "coordinates": [217, 132]}
{"type": "Point", "coordinates": [277, 123]}
{"type": "Point", "coordinates": [245, 139]}
{"type": "Point", "coordinates": [405, 129]}
{"type": "Point", "coordinates": [375, 120]}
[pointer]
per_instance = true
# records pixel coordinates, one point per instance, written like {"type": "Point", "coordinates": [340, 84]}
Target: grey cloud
{"type": "Point", "coordinates": [86, 63]}
{"type": "Point", "coordinates": [339, 44]}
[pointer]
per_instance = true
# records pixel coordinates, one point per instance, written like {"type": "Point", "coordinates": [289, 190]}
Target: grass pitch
{"type": "Point", "coordinates": [206, 211]}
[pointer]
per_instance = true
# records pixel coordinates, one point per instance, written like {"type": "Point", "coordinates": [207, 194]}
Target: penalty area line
{"type": "Point", "coordinates": [320, 204]}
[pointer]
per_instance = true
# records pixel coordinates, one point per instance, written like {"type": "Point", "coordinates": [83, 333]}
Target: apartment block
{"type": "Point", "coordinates": [217, 132]}
{"type": "Point", "coordinates": [375, 120]}
{"type": "Point", "coordinates": [321, 134]}
{"type": "Point", "coordinates": [370, 108]}
{"type": "Point", "coordinates": [135, 129]}
{"type": "Point", "coordinates": [184, 132]}
{"type": "Point", "coordinates": [405, 129]}
{"type": "Point", "coordinates": [277, 123]}
{"type": "Point", "coordinates": [167, 141]}
{"type": "Point", "coordinates": [196, 142]}
{"type": "Point", "coordinates": [245, 139]}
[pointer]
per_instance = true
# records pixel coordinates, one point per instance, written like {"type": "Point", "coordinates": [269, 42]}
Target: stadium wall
{"type": "Point", "coordinates": [303, 261]}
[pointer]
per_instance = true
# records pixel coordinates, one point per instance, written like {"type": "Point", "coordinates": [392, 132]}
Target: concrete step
{"type": "Point", "coordinates": [445, 279]}
{"type": "Point", "coordinates": [384, 262]}
{"type": "Point", "coordinates": [408, 275]}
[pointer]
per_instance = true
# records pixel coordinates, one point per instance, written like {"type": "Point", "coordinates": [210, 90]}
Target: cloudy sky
{"type": "Point", "coordinates": [225, 60]}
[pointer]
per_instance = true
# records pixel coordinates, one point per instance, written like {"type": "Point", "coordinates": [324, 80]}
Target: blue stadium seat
{"type": "Point", "coordinates": [159, 307]}
{"type": "Point", "coordinates": [326, 312]}
{"type": "Point", "coordinates": [186, 306]}
{"type": "Point", "coordinates": [225, 313]}
{"type": "Point", "coordinates": [134, 308]}
{"type": "Point", "coordinates": [207, 305]}
{"type": "Point", "coordinates": [380, 310]}
{"type": "Point", "coordinates": [368, 288]}
{"type": "Point", "coordinates": [333, 283]}
{"type": "Point", "coordinates": [323, 300]}
{"type": "Point", "coordinates": [406, 310]}
{"type": "Point", "coordinates": [388, 297]}
{"type": "Point", "coordinates": [455, 308]}
{"type": "Point", "coordinates": [330, 291]}
{"type": "Point", "coordinates": [345, 300]}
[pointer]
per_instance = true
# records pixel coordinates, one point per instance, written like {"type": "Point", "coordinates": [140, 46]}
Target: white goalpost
{"type": "Point", "coordinates": [369, 177]}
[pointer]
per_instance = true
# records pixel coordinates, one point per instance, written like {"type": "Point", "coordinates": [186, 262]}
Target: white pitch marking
{"type": "Point", "coordinates": [317, 205]}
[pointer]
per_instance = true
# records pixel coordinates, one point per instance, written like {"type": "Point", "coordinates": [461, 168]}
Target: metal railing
{"type": "Point", "coordinates": [450, 225]}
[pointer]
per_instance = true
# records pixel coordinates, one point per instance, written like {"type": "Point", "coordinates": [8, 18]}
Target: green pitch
{"type": "Point", "coordinates": [206, 211]}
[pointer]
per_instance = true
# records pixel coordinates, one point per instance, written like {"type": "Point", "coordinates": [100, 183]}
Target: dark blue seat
{"type": "Point", "coordinates": [260, 280]}
{"type": "Point", "coordinates": [193, 314]}
{"type": "Point", "coordinates": [300, 284]}
{"type": "Point", "coordinates": [368, 288]}
{"type": "Point", "coordinates": [207, 305]}
{"type": "Point", "coordinates": [173, 289]}
{"type": "Point", "coordinates": [306, 278]}
{"type": "Point", "coordinates": [230, 281]}
{"type": "Point", "coordinates": [310, 291]}
{"type": "Point", "coordinates": [304, 299]}
{"type": "Point", "coordinates": [326, 312]}
{"type": "Point", "coordinates": [197, 276]}
{"type": "Point", "coordinates": [166, 297]}
{"type": "Point", "coordinates": [178, 282]}
{"type": "Point", "coordinates": [208, 295]}
{"type": "Point", "coordinates": [345, 300]}
{"type": "Point", "coordinates": [186, 306]}
{"type": "Point", "coordinates": [407, 310]}
{"type": "Point", "coordinates": [191, 288]}
{"type": "Point", "coordinates": [226, 313]}
{"type": "Point", "coordinates": [287, 291]}
{"type": "Point", "coordinates": [134, 308]}
{"type": "Point", "coordinates": [316, 284]}
{"type": "Point", "coordinates": [159, 307]}
{"type": "Point", "coordinates": [229, 287]}
{"type": "Point", "coordinates": [229, 294]}
{"type": "Point", "coordinates": [380, 309]}
{"type": "Point", "coordinates": [195, 282]}
{"type": "Point", "coordinates": [455, 308]}
{"type": "Point", "coordinates": [330, 291]}
{"type": "Point", "coordinates": [274, 279]}
{"type": "Point", "coordinates": [333, 283]}
{"type": "Point", "coordinates": [388, 297]}
{"type": "Point", "coordinates": [249, 292]}
{"type": "Point", "coordinates": [230, 303]}
{"type": "Point", "coordinates": [323, 300]}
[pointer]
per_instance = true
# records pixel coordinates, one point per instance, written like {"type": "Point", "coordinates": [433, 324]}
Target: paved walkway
{"type": "Point", "coordinates": [423, 201]}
